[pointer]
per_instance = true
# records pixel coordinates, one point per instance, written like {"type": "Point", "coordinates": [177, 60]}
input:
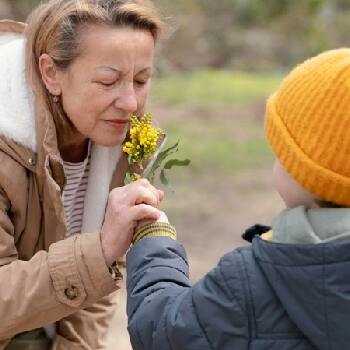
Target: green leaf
{"type": "Point", "coordinates": [159, 160]}
{"type": "Point", "coordinates": [168, 165]}
{"type": "Point", "coordinates": [176, 162]}
{"type": "Point", "coordinates": [163, 178]}
{"type": "Point", "coordinates": [127, 179]}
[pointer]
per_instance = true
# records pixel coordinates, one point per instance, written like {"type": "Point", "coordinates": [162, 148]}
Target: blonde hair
{"type": "Point", "coordinates": [54, 28]}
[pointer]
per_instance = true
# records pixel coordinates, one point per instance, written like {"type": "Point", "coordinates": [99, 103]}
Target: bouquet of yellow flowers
{"type": "Point", "coordinates": [146, 143]}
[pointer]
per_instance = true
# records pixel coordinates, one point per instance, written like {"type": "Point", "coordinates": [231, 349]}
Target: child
{"type": "Point", "coordinates": [290, 289]}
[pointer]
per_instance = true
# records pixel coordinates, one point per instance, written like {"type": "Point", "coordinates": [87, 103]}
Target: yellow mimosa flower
{"type": "Point", "coordinates": [143, 138]}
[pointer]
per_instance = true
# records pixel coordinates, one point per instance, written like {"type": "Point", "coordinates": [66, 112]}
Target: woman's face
{"type": "Point", "coordinates": [108, 82]}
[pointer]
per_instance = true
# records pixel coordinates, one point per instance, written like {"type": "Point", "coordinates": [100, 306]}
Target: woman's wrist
{"type": "Point", "coordinates": [111, 262]}
{"type": "Point", "coordinates": [107, 251]}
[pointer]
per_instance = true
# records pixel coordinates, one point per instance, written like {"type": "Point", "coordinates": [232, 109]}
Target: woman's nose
{"type": "Point", "coordinates": [127, 100]}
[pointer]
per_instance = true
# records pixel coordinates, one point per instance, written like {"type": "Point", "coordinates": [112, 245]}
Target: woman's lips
{"type": "Point", "coordinates": [118, 123]}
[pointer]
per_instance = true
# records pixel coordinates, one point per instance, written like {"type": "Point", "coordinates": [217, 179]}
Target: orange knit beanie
{"type": "Point", "coordinates": [308, 125]}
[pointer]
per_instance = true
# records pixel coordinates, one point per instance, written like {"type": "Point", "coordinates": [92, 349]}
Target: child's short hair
{"type": "Point", "coordinates": [308, 125]}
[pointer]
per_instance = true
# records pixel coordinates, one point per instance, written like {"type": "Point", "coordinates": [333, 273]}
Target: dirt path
{"type": "Point", "coordinates": [209, 223]}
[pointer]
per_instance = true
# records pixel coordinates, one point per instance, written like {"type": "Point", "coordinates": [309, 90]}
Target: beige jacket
{"type": "Point", "coordinates": [44, 277]}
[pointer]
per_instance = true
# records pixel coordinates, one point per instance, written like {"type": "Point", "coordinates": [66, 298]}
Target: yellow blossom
{"type": "Point", "coordinates": [135, 177]}
{"type": "Point", "coordinates": [143, 143]}
{"type": "Point", "coordinates": [143, 138]}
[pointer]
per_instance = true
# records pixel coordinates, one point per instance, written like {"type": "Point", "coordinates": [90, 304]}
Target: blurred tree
{"type": "Point", "coordinates": [240, 31]}
{"type": "Point", "coordinates": [243, 34]}
{"type": "Point", "coordinates": [19, 9]}
{"type": "Point", "coordinates": [258, 12]}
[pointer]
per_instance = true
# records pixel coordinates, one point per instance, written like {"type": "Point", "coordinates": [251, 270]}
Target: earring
{"type": "Point", "coordinates": [55, 98]}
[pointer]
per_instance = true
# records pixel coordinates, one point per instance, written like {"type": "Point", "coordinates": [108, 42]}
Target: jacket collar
{"type": "Point", "coordinates": [311, 225]}
{"type": "Point", "coordinates": [302, 236]}
{"type": "Point", "coordinates": [17, 116]}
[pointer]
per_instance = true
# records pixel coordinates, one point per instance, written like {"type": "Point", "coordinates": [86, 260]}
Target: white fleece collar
{"type": "Point", "coordinates": [17, 116]}
{"type": "Point", "coordinates": [103, 164]}
{"type": "Point", "coordinates": [17, 122]}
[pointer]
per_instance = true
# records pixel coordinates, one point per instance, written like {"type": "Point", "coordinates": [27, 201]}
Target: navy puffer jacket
{"type": "Point", "coordinates": [267, 295]}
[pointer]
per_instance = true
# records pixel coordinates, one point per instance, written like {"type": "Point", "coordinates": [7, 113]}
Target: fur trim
{"type": "Point", "coordinates": [17, 116]}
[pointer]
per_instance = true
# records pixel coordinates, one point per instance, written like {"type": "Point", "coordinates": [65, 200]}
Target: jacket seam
{"type": "Point", "coordinates": [303, 265]}
{"type": "Point", "coordinates": [134, 283]}
{"type": "Point", "coordinates": [165, 319]}
{"type": "Point", "coordinates": [199, 323]}
{"type": "Point", "coordinates": [325, 300]}
{"type": "Point", "coordinates": [247, 293]}
{"type": "Point", "coordinates": [289, 335]}
{"type": "Point", "coordinates": [230, 290]}
{"type": "Point", "coordinates": [250, 298]}
{"type": "Point", "coordinates": [174, 251]}
{"type": "Point", "coordinates": [288, 339]}
{"type": "Point", "coordinates": [136, 280]}
{"type": "Point", "coordinates": [139, 338]}
{"type": "Point", "coordinates": [146, 296]}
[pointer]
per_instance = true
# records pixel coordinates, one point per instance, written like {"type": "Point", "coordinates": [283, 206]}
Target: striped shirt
{"type": "Point", "coordinates": [77, 175]}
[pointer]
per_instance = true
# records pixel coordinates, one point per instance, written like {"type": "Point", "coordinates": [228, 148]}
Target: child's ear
{"type": "Point", "coordinates": [292, 193]}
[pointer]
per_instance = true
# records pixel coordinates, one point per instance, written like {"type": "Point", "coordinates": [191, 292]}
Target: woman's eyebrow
{"type": "Point", "coordinates": [115, 70]}
{"type": "Point", "coordinates": [145, 70]}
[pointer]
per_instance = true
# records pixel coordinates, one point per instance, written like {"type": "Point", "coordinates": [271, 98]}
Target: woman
{"type": "Point", "coordinates": [70, 79]}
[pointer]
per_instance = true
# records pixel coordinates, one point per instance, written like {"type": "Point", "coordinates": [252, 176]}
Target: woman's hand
{"type": "Point", "coordinates": [126, 206]}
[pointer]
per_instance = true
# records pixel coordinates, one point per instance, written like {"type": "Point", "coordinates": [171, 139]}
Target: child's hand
{"type": "Point", "coordinates": [163, 218]}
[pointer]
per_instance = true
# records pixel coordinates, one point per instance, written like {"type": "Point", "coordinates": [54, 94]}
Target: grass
{"type": "Point", "coordinates": [214, 123]}
{"type": "Point", "coordinates": [212, 148]}
{"type": "Point", "coordinates": [210, 87]}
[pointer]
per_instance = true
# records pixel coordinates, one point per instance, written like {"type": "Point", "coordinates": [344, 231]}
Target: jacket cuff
{"type": "Point", "coordinates": [78, 270]}
{"type": "Point", "coordinates": [157, 229]}
{"type": "Point", "coordinates": [93, 265]}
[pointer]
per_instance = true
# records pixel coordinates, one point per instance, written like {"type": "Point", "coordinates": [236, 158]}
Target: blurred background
{"type": "Point", "coordinates": [221, 60]}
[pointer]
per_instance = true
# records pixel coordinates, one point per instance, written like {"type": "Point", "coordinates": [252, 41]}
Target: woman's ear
{"type": "Point", "coordinates": [49, 74]}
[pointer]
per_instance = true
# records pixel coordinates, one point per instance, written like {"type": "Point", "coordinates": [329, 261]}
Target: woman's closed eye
{"type": "Point", "coordinates": [142, 79]}
{"type": "Point", "coordinates": [140, 82]}
{"type": "Point", "coordinates": [107, 83]}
